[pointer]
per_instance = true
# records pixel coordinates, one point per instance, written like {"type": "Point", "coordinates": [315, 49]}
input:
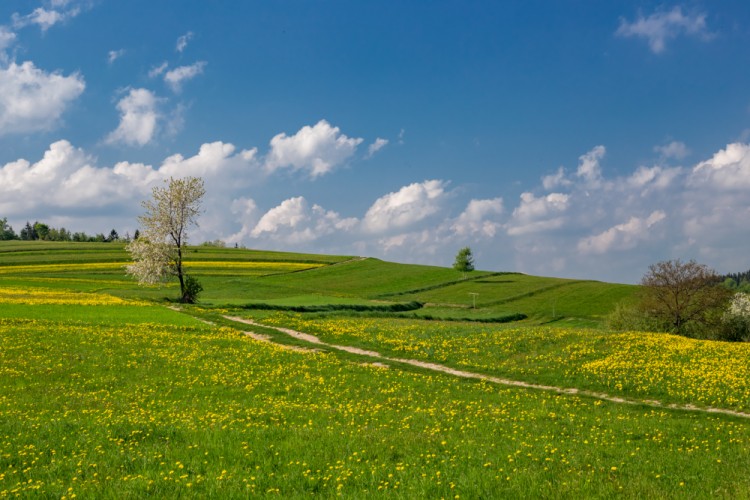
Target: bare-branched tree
{"type": "Point", "coordinates": [682, 293]}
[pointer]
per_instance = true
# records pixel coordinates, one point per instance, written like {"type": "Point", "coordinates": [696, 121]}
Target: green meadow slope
{"type": "Point", "coordinates": [108, 390]}
{"type": "Point", "coordinates": [238, 276]}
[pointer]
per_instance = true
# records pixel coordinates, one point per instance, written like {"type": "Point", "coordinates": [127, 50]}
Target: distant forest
{"type": "Point", "coordinates": [41, 231]}
{"type": "Point", "coordinates": [737, 281]}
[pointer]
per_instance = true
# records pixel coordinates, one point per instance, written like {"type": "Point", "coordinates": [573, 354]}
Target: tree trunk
{"type": "Point", "coordinates": [179, 273]}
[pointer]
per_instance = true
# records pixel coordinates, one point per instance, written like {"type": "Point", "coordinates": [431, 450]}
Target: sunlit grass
{"type": "Point", "coordinates": [171, 411]}
{"type": "Point", "coordinates": [635, 364]}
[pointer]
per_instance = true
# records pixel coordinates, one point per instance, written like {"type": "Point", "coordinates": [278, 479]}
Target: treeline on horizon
{"type": "Point", "coordinates": [737, 281]}
{"type": "Point", "coordinates": [41, 231]}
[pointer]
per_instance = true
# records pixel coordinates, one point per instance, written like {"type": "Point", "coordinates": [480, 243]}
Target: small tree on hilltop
{"type": "Point", "coordinates": [681, 294]}
{"type": "Point", "coordinates": [157, 253]}
{"type": "Point", "coordinates": [464, 261]}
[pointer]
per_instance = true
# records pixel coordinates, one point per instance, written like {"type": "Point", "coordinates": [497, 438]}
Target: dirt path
{"type": "Point", "coordinates": [479, 376]}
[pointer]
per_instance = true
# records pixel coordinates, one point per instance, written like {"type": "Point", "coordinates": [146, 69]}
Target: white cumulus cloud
{"type": "Point", "coordinates": [176, 77]}
{"type": "Point", "coordinates": [663, 25]}
{"type": "Point", "coordinates": [295, 222]}
{"type": "Point", "coordinates": [66, 176]}
{"type": "Point", "coordinates": [317, 149]}
{"type": "Point", "coordinates": [535, 214]}
{"type": "Point", "coordinates": [7, 39]}
{"type": "Point", "coordinates": [212, 159]}
{"type": "Point", "coordinates": [588, 166]}
{"type": "Point", "coordinates": [728, 169]}
{"type": "Point", "coordinates": [139, 118]}
{"type": "Point", "coordinates": [402, 208]}
{"type": "Point", "coordinates": [479, 218]}
{"type": "Point", "coordinates": [622, 236]}
{"type": "Point", "coordinates": [558, 179]}
{"type": "Point", "coordinates": [32, 99]}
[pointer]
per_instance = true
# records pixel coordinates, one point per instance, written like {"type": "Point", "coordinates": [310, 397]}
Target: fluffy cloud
{"type": "Point", "coordinates": [622, 236]}
{"type": "Point", "coordinates": [175, 77]}
{"type": "Point", "coordinates": [64, 177]}
{"type": "Point", "coordinates": [7, 39]}
{"type": "Point", "coordinates": [139, 118]}
{"type": "Point", "coordinates": [376, 146]}
{"type": "Point", "coordinates": [588, 166]}
{"type": "Point", "coordinates": [647, 179]}
{"type": "Point", "coordinates": [318, 149]}
{"type": "Point", "coordinates": [70, 179]}
{"type": "Point", "coordinates": [405, 207]}
{"type": "Point", "coordinates": [555, 180]}
{"type": "Point", "coordinates": [664, 25]}
{"type": "Point", "coordinates": [535, 214]}
{"type": "Point", "coordinates": [245, 212]}
{"type": "Point", "coordinates": [477, 219]}
{"type": "Point", "coordinates": [216, 160]}
{"type": "Point", "coordinates": [33, 100]}
{"type": "Point", "coordinates": [295, 222]}
{"type": "Point", "coordinates": [728, 169]}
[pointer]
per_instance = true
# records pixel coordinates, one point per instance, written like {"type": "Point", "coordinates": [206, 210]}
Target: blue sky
{"type": "Point", "coordinates": [574, 138]}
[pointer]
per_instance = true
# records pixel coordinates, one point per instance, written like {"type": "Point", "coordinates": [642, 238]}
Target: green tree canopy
{"type": "Point", "coordinates": [464, 262]}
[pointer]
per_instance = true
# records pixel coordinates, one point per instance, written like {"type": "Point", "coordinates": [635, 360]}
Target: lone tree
{"type": "Point", "coordinates": [157, 253]}
{"type": "Point", "coordinates": [464, 261]}
{"type": "Point", "coordinates": [680, 294]}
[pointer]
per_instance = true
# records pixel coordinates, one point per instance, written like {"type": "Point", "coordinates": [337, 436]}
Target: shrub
{"type": "Point", "coordinates": [632, 318]}
{"type": "Point", "coordinates": [192, 289]}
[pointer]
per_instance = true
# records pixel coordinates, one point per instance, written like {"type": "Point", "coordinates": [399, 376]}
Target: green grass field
{"type": "Point", "coordinates": [107, 392]}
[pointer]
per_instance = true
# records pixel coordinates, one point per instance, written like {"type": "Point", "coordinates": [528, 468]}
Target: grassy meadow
{"type": "Point", "coordinates": [109, 391]}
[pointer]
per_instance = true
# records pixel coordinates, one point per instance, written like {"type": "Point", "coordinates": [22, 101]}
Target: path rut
{"type": "Point", "coordinates": [488, 378]}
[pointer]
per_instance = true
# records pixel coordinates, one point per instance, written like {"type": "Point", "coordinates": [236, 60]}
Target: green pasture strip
{"type": "Point", "coordinates": [47, 247]}
{"type": "Point", "coordinates": [474, 276]}
{"type": "Point", "coordinates": [240, 254]}
{"type": "Point", "coordinates": [490, 289]}
{"type": "Point", "coordinates": [438, 312]}
{"type": "Point", "coordinates": [55, 257]}
{"type": "Point", "coordinates": [637, 365]}
{"type": "Point", "coordinates": [300, 300]}
{"type": "Point", "coordinates": [371, 307]}
{"type": "Point", "coordinates": [81, 283]}
{"type": "Point", "coordinates": [367, 278]}
{"type": "Point", "coordinates": [535, 296]}
{"type": "Point", "coordinates": [53, 251]}
{"type": "Point", "coordinates": [234, 289]}
{"type": "Point", "coordinates": [321, 300]}
{"type": "Point", "coordinates": [48, 268]}
{"type": "Point", "coordinates": [130, 411]}
{"type": "Point", "coordinates": [97, 314]}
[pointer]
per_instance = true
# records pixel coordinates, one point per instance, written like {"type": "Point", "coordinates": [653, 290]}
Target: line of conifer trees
{"type": "Point", "coordinates": [41, 231]}
{"type": "Point", "coordinates": [739, 282]}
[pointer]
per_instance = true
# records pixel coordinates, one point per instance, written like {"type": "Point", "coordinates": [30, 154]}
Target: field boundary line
{"type": "Point", "coordinates": [312, 339]}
